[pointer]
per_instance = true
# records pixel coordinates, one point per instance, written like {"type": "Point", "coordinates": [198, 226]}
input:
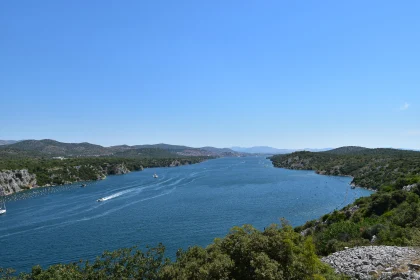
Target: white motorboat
{"type": "Point", "coordinates": [2, 207]}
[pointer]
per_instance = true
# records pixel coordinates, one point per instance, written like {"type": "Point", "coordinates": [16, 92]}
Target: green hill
{"type": "Point", "coordinates": [391, 216]}
{"type": "Point", "coordinates": [164, 147]}
{"type": "Point", "coordinates": [347, 150]}
{"type": "Point", "coordinates": [146, 153]}
{"type": "Point", "coordinates": [7, 142]}
{"type": "Point", "coordinates": [370, 168]}
{"type": "Point", "coordinates": [51, 148]}
{"type": "Point", "coordinates": [54, 148]}
{"type": "Point", "coordinates": [57, 163]}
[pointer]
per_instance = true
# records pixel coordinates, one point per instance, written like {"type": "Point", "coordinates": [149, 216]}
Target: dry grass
{"type": "Point", "coordinates": [415, 241]}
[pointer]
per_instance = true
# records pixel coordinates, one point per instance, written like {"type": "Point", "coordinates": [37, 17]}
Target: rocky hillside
{"type": "Point", "coordinates": [377, 262]}
{"type": "Point", "coordinates": [31, 173]}
{"type": "Point", "coordinates": [16, 181]}
{"type": "Point", "coordinates": [13, 181]}
{"type": "Point", "coordinates": [52, 148]}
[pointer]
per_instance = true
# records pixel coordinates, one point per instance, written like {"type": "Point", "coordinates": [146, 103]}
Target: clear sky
{"type": "Point", "coordinates": [287, 74]}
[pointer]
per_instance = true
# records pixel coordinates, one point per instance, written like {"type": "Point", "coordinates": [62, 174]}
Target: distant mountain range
{"type": "Point", "coordinates": [271, 150]}
{"type": "Point", "coordinates": [349, 150]}
{"type": "Point", "coordinates": [7, 142]}
{"type": "Point", "coordinates": [52, 148]}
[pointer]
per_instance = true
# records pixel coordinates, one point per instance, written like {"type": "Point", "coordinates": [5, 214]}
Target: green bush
{"type": "Point", "coordinates": [245, 253]}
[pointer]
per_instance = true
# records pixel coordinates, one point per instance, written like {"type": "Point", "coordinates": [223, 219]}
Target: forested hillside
{"type": "Point", "coordinates": [391, 216]}
{"type": "Point", "coordinates": [50, 162]}
{"type": "Point", "coordinates": [51, 148]}
{"type": "Point", "coordinates": [58, 172]}
{"type": "Point", "coordinates": [371, 168]}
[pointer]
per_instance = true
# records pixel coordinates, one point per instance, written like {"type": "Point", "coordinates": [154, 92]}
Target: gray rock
{"type": "Point", "coordinates": [376, 262]}
{"type": "Point", "coordinates": [12, 181]}
{"type": "Point", "coordinates": [409, 187]}
{"type": "Point", "coordinates": [175, 163]}
{"type": "Point", "coordinates": [117, 169]}
{"type": "Point", "coordinates": [414, 266]}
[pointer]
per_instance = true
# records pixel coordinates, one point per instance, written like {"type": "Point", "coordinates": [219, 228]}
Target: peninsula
{"type": "Point", "coordinates": [36, 163]}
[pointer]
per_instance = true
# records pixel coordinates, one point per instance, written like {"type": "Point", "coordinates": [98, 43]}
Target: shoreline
{"type": "Point", "coordinates": [323, 174]}
{"type": "Point", "coordinates": [25, 190]}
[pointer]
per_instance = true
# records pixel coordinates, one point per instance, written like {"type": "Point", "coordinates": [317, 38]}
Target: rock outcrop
{"type": "Point", "coordinates": [175, 163]}
{"type": "Point", "coordinates": [179, 163]}
{"type": "Point", "coordinates": [18, 180]}
{"type": "Point", "coordinates": [377, 262]}
{"type": "Point", "coordinates": [117, 169]}
{"type": "Point", "coordinates": [12, 181]}
{"type": "Point", "coordinates": [409, 187]}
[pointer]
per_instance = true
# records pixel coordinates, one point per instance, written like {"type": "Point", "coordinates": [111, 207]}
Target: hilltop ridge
{"type": "Point", "coordinates": [53, 148]}
{"type": "Point", "coordinates": [271, 150]}
{"type": "Point", "coordinates": [7, 142]}
{"type": "Point", "coordinates": [370, 168]}
{"type": "Point", "coordinates": [49, 162]}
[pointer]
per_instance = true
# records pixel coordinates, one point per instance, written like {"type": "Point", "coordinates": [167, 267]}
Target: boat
{"type": "Point", "coordinates": [83, 185]}
{"type": "Point", "coordinates": [155, 175]}
{"type": "Point", "coordinates": [2, 206]}
{"type": "Point", "coordinates": [101, 199]}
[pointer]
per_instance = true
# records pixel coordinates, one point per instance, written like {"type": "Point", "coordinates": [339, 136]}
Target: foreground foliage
{"type": "Point", "coordinates": [245, 253]}
{"type": "Point", "coordinates": [388, 217]}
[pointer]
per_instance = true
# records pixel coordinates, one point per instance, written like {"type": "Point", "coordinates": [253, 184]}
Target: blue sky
{"type": "Point", "coordinates": [287, 74]}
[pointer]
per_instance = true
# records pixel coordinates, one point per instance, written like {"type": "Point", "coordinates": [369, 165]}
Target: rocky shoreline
{"type": "Point", "coordinates": [377, 262]}
{"type": "Point", "coordinates": [323, 172]}
{"type": "Point", "coordinates": [14, 181]}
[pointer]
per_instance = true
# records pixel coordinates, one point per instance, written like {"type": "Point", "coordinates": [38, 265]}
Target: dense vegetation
{"type": "Point", "coordinates": [370, 168]}
{"type": "Point", "coordinates": [57, 163]}
{"type": "Point", "coordinates": [50, 148]}
{"type": "Point", "coordinates": [245, 253]}
{"type": "Point", "coordinates": [57, 172]}
{"type": "Point", "coordinates": [391, 216]}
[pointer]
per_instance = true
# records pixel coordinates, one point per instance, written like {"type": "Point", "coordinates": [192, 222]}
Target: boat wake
{"type": "Point", "coordinates": [114, 195]}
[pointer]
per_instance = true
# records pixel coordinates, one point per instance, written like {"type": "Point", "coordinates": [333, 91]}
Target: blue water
{"type": "Point", "coordinates": [185, 206]}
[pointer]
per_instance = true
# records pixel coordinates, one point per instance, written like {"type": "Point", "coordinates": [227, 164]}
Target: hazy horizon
{"type": "Point", "coordinates": [290, 75]}
{"type": "Point", "coordinates": [220, 147]}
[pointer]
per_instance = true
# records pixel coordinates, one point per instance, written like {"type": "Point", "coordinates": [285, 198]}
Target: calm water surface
{"type": "Point", "coordinates": [185, 206]}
